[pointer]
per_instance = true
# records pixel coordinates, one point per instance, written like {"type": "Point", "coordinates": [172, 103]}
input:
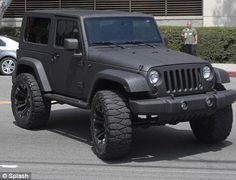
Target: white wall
{"type": "Point", "coordinates": [219, 12]}
{"type": "Point", "coordinates": [12, 22]}
{"type": "Point", "coordinates": [179, 20]}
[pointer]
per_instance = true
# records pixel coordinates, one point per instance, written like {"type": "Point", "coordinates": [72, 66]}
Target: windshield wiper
{"type": "Point", "coordinates": [139, 43]}
{"type": "Point", "coordinates": [107, 43]}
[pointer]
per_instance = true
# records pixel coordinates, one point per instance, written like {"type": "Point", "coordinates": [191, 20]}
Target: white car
{"type": "Point", "coordinates": [8, 48]}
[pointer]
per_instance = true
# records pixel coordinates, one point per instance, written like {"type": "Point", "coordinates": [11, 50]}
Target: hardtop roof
{"type": "Point", "coordinates": [84, 13]}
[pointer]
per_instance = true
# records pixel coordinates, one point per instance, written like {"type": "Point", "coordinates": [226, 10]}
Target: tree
{"type": "Point", "coordinates": [4, 4]}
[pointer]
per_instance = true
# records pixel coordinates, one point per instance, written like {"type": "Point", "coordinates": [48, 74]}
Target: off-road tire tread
{"type": "Point", "coordinates": [41, 107]}
{"type": "Point", "coordinates": [118, 124]}
{"type": "Point", "coordinates": [218, 129]}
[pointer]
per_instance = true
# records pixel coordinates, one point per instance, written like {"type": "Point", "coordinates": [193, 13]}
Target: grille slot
{"type": "Point", "coordinates": [183, 80]}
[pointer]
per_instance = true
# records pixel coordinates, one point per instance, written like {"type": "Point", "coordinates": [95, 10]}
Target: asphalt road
{"type": "Point", "coordinates": [63, 150]}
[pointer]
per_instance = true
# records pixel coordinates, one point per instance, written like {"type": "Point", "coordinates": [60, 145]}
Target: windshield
{"type": "Point", "coordinates": [121, 30]}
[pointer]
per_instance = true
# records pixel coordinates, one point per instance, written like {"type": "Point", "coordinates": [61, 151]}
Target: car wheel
{"type": "Point", "coordinates": [110, 125]}
{"type": "Point", "coordinates": [214, 128]}
{"type": "Point", "coordinates": [30, 108]}
{"type": "Point", "coordinates": [7, 66]}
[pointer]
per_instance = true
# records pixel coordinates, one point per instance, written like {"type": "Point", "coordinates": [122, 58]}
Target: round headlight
{"type": "Point", "coordinates": [153, 77]}
{"type": "Point", "coordinates": [206, 72]}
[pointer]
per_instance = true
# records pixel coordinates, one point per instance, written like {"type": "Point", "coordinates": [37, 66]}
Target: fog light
{"type": "Point", "coordinates": [184, 105]}
{"type": "Point", "coordinates": [209, 102]}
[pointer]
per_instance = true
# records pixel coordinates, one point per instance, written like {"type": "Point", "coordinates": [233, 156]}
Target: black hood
{"type": "Point", "coordinates": [133, 57]}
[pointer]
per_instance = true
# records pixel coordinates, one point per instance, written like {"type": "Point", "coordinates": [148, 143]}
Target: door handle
{"type": "Point", "coordinates": [55, 56]}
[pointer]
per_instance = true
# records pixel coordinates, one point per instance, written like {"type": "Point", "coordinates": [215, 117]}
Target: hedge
{"type": "Point", "coordinates": [215, 44]}
{"type": "Point", "coordinates": [10, 31]}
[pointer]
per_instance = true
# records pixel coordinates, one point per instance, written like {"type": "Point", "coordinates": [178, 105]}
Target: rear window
{"type": "Point", "coordinates": [2, 43]}
{"type": "Point", "coordinates": [37, 30]}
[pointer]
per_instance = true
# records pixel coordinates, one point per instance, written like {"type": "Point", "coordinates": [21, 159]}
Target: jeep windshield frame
{"type": "Point", "coordinates": [121, 30]}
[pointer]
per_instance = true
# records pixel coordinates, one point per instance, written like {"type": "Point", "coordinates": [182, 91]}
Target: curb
{"type": "Point", "coordinates": [232, 73]}
{"type": "Point", "coordinates": [230, 68]}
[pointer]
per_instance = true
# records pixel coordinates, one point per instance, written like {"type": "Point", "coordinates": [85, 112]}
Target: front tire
{"type": "Point", "coordinates": [214, 128]}
{"type": "Point", "coordinates": [7, 66]}
{"type": "Point", "coordinates": [30, 108]}
{"type": "Point", "coordinates": [110, 125]}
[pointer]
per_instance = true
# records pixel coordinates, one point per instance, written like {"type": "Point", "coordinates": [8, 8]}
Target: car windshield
{"type": "Point", "coordinates": [121, 30]}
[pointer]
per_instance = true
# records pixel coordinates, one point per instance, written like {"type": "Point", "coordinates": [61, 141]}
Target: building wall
{"type": "Point", "coordinates": [179, 20]}
{"type": "Point", "coordinates": [168, 12]}
{"type": "Point", "coordinates": [214, 13]}
{"type": "Point", "coordinates": [219, 13]}
{"type": "Point", "coordinates": [11, 22]}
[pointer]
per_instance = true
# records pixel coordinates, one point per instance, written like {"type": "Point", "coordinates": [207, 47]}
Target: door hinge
{"type": "Point", "coordinates": [80, 84]}
{"type": "Point", "coordinates": [81, 63]}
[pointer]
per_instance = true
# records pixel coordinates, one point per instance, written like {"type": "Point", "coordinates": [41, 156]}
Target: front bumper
{"type": "Point", "coordinates": [183, 104]}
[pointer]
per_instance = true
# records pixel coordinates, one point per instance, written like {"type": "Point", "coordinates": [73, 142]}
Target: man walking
{"type": "Point", "coordinates": [190, 38]}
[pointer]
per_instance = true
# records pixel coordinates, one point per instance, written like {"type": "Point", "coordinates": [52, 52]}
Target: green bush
{"type": "Point", "coordinates": [215, 44]}
{"type": "Point", "coordinates": [10, 31]}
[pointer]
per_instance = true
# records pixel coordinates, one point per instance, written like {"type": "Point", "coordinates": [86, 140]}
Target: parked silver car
{"type": "Point", "coordinates": [8, 48]}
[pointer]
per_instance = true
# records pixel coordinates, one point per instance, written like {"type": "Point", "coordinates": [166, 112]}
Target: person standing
{"type": "Point", "coordinates": [190, 38]}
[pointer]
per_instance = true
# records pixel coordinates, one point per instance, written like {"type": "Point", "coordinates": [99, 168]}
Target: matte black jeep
{"type": "Point", "coordinates": [117, 65]}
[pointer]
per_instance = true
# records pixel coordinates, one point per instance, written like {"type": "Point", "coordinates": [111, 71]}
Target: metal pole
{"type": "Point", "coordinates": [25, 5]}
{"type": "Point", "coordinates": [95, 5]}
{"type": "Point", "coordinates": [166, 9]}
{"type": "Point", "coordinates": [59, 4]}
{"type": "Point", "coordinates": [130, 5]}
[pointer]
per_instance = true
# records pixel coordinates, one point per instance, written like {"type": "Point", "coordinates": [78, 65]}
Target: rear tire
{"type": "Point", "coordinates": [7, 66]}
{"type": "Point", "coordinates": [214, 128]}
{"type": "Point", "coordinates": [30, 108]}
{"type": "Point", "coordinates": [110, 125]}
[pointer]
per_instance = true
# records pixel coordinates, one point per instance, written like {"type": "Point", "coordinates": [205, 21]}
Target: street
{"type": "Point", "coordinates": [63, 149]}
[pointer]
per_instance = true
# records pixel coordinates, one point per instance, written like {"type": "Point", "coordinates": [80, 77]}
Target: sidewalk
{"type": "Point", "coordinates": [230, 68]}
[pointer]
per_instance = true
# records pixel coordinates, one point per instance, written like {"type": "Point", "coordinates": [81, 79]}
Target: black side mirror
{"type": "Point", "coordinates": [71, 44]}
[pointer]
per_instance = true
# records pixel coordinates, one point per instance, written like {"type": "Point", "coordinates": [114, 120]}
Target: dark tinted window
{"type": "Point", "coordinates": [122, 30]}
{"type": "Point", "coordinates": [37, 30]}
{"type": "Point", "coordinates": [2, 43]}
{"type": "Point", "coordinates": [66, 29]}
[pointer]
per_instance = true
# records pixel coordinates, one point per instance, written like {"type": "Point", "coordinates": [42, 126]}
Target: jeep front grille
{"type": "Point", "coordinates": [183, 80]}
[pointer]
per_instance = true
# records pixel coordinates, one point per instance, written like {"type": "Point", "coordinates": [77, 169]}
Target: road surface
{"type": "Point", "coordinates": [63, 149]}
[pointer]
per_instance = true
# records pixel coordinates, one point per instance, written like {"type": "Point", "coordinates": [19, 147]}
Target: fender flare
{"type": "Point", "coordinates": [221, 76]}
{"type": "Point", "coordinates": [39, 71]}
{"type": "Point", "coordinates": [131, 82]}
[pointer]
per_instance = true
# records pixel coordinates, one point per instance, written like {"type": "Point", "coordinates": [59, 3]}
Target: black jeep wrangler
{"type": "Point", "coordinates": [115, 64]}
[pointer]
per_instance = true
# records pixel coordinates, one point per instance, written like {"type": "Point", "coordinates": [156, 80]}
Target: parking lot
{"type": "Point", "coordinates": [63, 149]}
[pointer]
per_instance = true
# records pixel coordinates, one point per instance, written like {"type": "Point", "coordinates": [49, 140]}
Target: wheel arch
{"type": "Point", "coordinates": [105, 84]}
{"type": "Point", "coordinates": [35, 67]}
{"type": "Point", "coordinates": [3, 57]}
{"type": "Point", "coordinates": [221, 76]}
{"type": "Point", "coordinates": [118, 80]}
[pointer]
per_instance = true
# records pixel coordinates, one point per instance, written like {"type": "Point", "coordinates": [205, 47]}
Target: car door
{"type": "Point", "coordinates": [65, 62]}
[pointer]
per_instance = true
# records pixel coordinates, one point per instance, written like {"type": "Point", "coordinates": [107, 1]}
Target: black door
{"type": "Point", "coordinates": [66, 72]}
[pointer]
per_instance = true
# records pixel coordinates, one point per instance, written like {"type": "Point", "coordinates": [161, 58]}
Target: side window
{"type": "Point", "coordinates": [66, 29]}
{"type": "Point", "coordinates": [37, 30]}
{"type": "Point", "coordinates": [2, 43]}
